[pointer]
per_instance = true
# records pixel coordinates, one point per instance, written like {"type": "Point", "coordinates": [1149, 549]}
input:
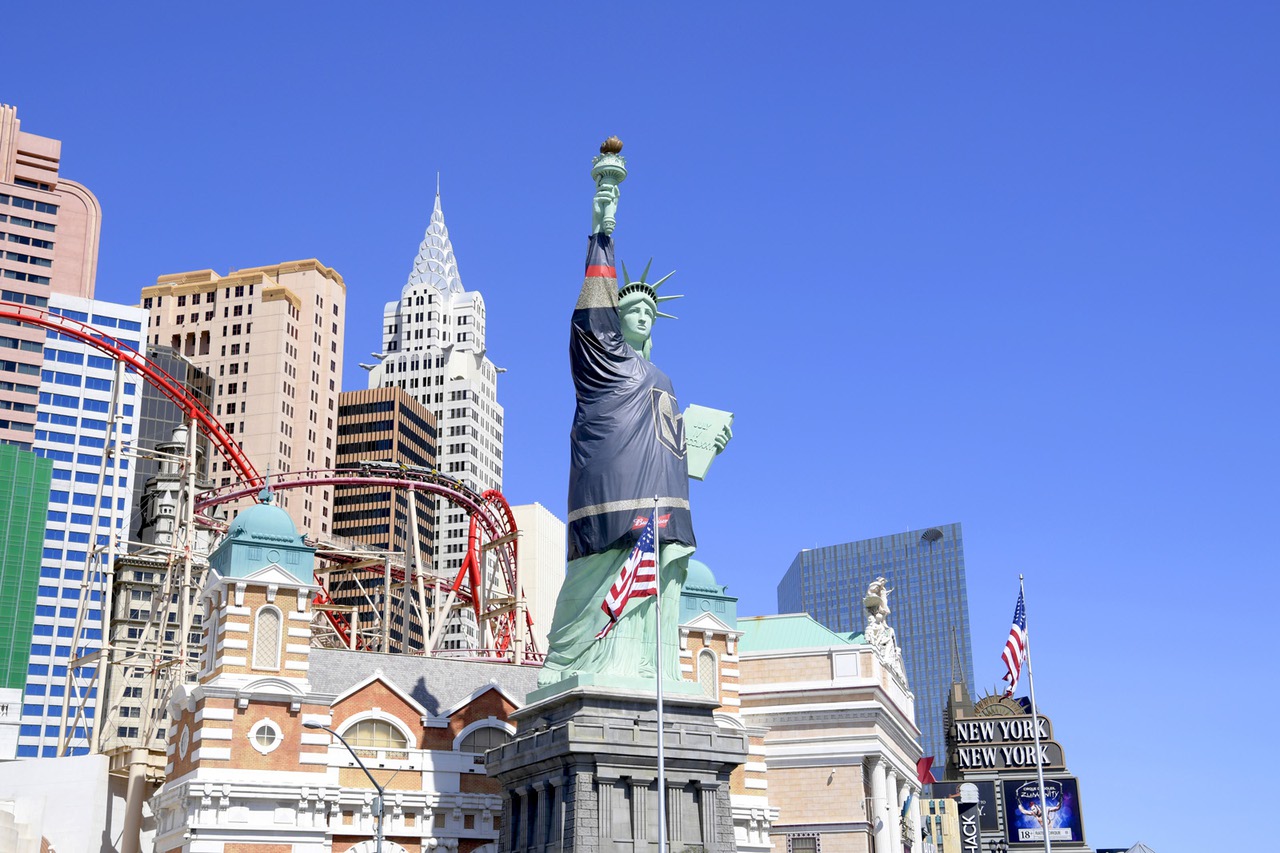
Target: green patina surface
{"type": "Point", "coordinates": [24, 504]}
{"type": "Point", "coordinates": [789, 631]}
{"type": "Point", "coordinates": [625, 658]}
{"type": "Point", "coordinates": [263, 535]}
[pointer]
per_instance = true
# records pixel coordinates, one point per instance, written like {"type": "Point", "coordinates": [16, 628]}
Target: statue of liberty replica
{"type": "Point", "coordinates": [585, 772]}
{"type": "Point", "coordinates": [627, 447]}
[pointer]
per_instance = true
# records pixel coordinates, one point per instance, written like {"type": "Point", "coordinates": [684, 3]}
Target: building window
{"type": "Point", "coordinates": [266, 638]}
{"type": "Point", "coordinates": [707, 675]}
{"type": "Point", "coordinates": [804, 842]}
{"type": "Point", "coordinates": [484, 739]}
{"type": "Point", "coordinates": [265, 736]}
{"type": "Point", "coordinates": [368, 736]}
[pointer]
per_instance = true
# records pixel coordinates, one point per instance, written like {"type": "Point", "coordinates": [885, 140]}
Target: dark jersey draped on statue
{"type": "Point", "coordinates": [627, 443]}
{"type": "Point", "coordinates": [627, 446]}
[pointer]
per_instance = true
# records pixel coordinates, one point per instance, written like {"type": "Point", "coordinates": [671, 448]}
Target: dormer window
{"type": "Point", "coordinates": [378, 739]}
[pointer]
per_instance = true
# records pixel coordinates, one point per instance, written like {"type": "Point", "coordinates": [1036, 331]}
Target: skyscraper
{"type": "Point", "coordinates": [23, 505]}
{"type": "Point", "coordinates": [49, 228]}
{"type": "Point", "coordinates": [433, 346]}
{"type": "Point", "coordinates": [271, 338]}
{"type": "Point", "coordinates": [157, 419]}
{"type": "Point", "coordinates": [930, 604]}
{"type": "Point", "coordinates": [89, 503]}
{"type": "Point", "coordinates": [382, 425]}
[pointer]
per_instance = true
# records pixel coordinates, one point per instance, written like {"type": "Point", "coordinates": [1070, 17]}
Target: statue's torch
{"type": "Point", "coordinates": [608, 170]}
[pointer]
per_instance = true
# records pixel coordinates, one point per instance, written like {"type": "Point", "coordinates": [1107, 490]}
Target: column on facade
{"type": "Point", "coordinates": [879, 825]}
{"type": "Point", "coordinates": [707, 814]}
{"type": "Point", "coordinates": [917, 817]}
{"type": "Point", "coordinates": [891, 812]}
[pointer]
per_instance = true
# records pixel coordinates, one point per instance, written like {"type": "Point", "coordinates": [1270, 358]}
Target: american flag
{"type": "Point", "coordinates": [637, 578]}
{"type": "Point", "coordinates": [1015, 648]}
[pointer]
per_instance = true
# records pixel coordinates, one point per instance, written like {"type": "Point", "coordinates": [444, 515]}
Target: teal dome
{"type": "Point", "coordinates": [261, 536]}
{"type": "Point", "coordinates": [264, 522]}
{"type": "Point", "coordinates": [701, 579]}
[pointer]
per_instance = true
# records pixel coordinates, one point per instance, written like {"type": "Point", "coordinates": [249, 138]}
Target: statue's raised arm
{"type": "Point", "coordinates": [609, 170]}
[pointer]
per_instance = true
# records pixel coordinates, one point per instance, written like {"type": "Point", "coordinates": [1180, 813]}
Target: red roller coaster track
{"type": "Point", "coordinates": [162, 381]}
{"type": "Point", "coordinates": [489, 510]}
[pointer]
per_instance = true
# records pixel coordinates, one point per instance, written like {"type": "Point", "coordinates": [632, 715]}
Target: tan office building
{"type": "Point", "coordinates": [271, 338]}
{"type": "Point", "coordinates": [49, 229]}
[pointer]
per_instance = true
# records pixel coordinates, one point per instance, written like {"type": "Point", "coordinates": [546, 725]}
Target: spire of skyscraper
{"type": "Point", "coordinates": [435, 264]}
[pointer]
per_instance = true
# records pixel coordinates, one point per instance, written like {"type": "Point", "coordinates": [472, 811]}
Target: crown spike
{"type": "Point", "coordinates": [626, 278]}
{"type": "Point", "coordinates": [661, 299]}
{"type": "Point", "coordinates": [668, 316]}
{"type": "Point", "coordinates": [645, 275]}
{"type": "Point", "coordinates": [659, 282]}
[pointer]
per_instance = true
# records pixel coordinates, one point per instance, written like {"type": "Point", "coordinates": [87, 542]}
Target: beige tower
{"type": "Point", "coordinates": [239, 728]}
{"type": "Point", "coordinates": [49, 230]}
{"type": "Point", "coordinates": [271, 338]}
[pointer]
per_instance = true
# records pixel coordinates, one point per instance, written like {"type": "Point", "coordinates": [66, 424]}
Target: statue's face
{"type": "Point", "coordinates": [637, 324]}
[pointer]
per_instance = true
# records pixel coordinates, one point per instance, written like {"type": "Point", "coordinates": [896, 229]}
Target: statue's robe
{"type": "Point", "coordinates": [627, 446]}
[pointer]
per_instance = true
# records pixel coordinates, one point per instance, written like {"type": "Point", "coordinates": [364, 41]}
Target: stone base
{"type": "Point", "coordinates": [580, 776]}
{"type": "Point", "coordinates": [638, 685]}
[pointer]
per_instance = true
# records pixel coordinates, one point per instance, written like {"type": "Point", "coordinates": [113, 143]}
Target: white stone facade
{"type": "Point", "coordinates": [433, 346]}
{"type": "Point", "coordinates": [542, 564]}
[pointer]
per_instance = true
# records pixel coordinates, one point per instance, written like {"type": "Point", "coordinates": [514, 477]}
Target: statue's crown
{"type": "Point", "coordinates": [642, 289]}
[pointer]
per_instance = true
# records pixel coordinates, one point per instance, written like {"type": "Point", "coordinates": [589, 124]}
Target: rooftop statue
{"type": "Point", "coordinates": [878, 634]}
{"type": "Point", "coordinates": [627, 446]}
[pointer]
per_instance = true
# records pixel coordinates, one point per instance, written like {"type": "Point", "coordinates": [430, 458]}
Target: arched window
{"type": "Point", "coordinates": [484, 739]}
{"type": "Point", "coordinates": [266, 638]}
{"type": "Point", "coordinates": [707, 675]}
{"type": "Point", "coordinates": [368, 736]}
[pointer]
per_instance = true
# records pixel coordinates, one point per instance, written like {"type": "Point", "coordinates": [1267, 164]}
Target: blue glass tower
{"type": "Point", "coordinates": [925, 570]}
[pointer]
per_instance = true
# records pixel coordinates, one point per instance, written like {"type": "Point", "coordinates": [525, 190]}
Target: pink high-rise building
{"type": "Point", "coordinates": [49, 229]}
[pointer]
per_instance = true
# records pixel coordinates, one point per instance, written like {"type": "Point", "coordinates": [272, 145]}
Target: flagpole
{"type": "Point", "coordinates": [657, 610]}
{"type": "Point", "coordinates": [1035, 723]}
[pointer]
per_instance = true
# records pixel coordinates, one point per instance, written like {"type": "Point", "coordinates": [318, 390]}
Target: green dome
{"type": "Point", "coordinates": [264, 522]}
{"type": "Point", "coordinates": [701, 579]}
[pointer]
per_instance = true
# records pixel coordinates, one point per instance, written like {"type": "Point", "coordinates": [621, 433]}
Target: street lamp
{"type": "Point", "coordinates": [377, 803]}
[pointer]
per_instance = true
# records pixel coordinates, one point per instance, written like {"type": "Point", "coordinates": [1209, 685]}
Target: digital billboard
{"type": "Point", "coordinates": [1025, 820]}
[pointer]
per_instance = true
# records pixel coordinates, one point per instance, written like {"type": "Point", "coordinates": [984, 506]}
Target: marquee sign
{"type": "Point", "coordinates": [1006, 743]}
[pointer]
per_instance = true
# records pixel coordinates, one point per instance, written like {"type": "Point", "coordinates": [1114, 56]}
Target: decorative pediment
{"type": "Point", "coordinates": [476, 694]}
{"type": "Point", "coordinates": [380, 678]}
{"type": "Point", "coordinates": [709, 622]}
{"type": "Point", "coordinates": [273, 574]}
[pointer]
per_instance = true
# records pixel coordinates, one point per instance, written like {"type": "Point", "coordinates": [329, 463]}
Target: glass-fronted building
{"type": "Point", "coordinates": [157, 420]}
{"type": "Point", "coordinates": [23, 503]}
{"type": "Point", "coordinates": [89, 502]}
{"type": "Point", "coordinates": [929, 604]}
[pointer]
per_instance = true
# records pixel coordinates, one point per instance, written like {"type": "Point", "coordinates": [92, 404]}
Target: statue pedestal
{"type": "Point", "coordinates": [580, 776]}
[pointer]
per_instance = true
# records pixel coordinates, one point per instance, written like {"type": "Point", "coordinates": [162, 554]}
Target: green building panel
{"type": "Point", "coordinates": [24, 504]}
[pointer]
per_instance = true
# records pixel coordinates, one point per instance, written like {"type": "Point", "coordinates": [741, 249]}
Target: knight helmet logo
{"type": "Point", "coordinates": [668, 422]}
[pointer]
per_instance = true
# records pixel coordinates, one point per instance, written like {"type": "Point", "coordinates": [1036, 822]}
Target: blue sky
{"type": "Point", "coordinates": [1005, 265]}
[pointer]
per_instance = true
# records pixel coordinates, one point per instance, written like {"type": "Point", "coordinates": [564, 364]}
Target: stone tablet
{"type": "Point", "coordinates": [701, 426]}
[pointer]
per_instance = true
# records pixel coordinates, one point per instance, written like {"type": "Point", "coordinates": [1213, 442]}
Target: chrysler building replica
{"type": "Point", "coordinates": [433, 346]}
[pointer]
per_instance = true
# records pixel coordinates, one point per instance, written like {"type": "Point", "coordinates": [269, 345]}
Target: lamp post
{"type": "Point", "coordinates": [377, 803]}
